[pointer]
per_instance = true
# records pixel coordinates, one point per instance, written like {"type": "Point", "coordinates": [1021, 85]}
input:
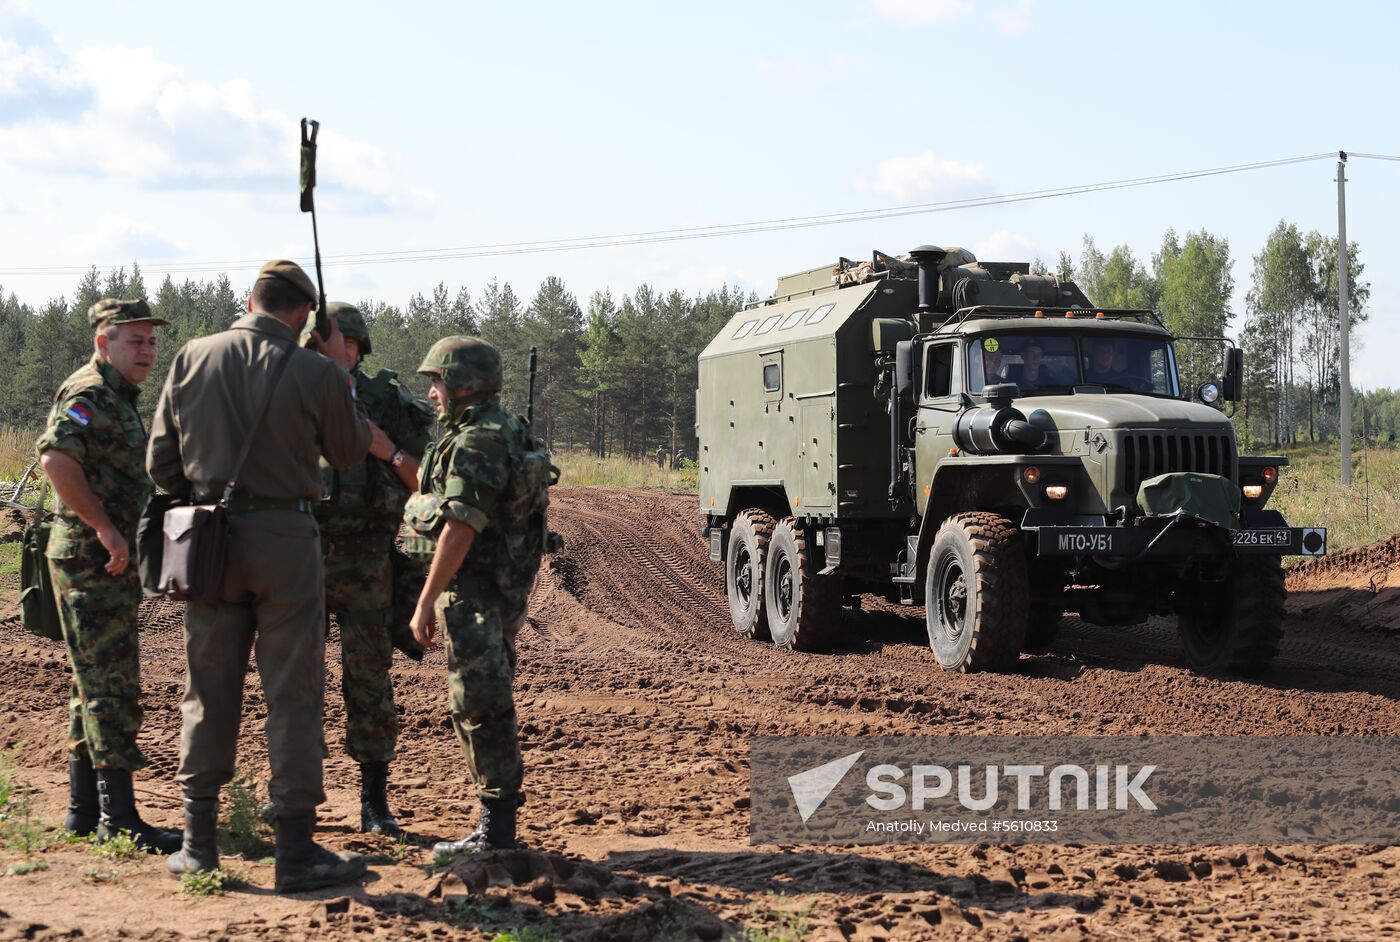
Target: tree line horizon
{"type": "Point", "coordinates": [618, 373]}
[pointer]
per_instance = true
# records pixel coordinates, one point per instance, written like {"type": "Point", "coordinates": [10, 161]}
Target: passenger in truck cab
{"type": "Point", "coordinates": [1031, 371]}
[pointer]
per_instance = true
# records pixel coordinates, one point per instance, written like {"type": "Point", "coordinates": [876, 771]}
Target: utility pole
{"type": "Point", "coordinates": [1344, 317]}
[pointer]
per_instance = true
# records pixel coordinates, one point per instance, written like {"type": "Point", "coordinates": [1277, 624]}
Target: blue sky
{"type": "Point", "coordinates": [166, 133]}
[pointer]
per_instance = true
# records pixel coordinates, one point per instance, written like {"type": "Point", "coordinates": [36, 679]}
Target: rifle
{"type": "Point", "coordinates": [530, 395]}
{"type": "Point", "coordinates": [308, 205]}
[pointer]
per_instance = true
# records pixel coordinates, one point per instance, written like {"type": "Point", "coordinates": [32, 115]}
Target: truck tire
{"type": "Point", "coordinates": [743, 572]}
{"type": "Point", "coordinates": [1242, 633]}
{"type": "Point", "coordinates": [976, 594]}
{"type": "Point", "coordinates": [804, 609]}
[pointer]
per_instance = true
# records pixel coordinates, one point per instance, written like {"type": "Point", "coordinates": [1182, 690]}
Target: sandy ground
{"type": "Point", "coordinates": [637, 701]}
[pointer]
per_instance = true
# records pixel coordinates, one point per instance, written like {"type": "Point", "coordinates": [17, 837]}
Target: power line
{"type": "Point", "coordinates": [659, 236]}
{"type": "Point", "coordinates": [1373, 156]}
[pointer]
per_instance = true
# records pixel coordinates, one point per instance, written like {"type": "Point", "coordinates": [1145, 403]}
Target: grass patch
{"type": "Point", "coordinates": [526, 934]}
{"type": "Point", "coordinates": [9, 560]}
{"type": "Point", "coordinates": [118, 848]}
{"type": "Point", "coordinates": [99, 875]}
{"type": "Point", "coordinates": [21, 829]}
{"type": "Point", "coordinates": [211, 882]}
{"type": "Point", "coordinates": [244, 831]}
{"type": "Point", "coordinates": [1310, 494]}
{"type": "Point", "coordinates": [777, 923]}
{"type": "Point", "coordinates": [29, 866]}
{"type": "Point", "coordinates": [16, 451]}
{"type": "Point", "coordinates": [580, 469]}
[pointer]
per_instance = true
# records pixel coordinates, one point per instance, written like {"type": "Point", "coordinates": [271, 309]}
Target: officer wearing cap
{"type": "Point", "coordinates": [479, 493]}
{"type": "Point", "coordinates": [92, 450]}
{"type": "Point", "coordinates": [371, 587]}
{"type": "Point", "coordinates": [273, 595]}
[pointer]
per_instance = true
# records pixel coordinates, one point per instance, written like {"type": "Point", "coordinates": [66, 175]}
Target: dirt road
{"type": "Point", "coordinates": [637, 701]}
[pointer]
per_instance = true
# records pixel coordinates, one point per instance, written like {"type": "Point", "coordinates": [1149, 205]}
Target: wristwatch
{"type": "Point", "coordinates": [396, 459]}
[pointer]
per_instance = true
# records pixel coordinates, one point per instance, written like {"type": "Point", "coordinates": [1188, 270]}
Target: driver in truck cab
{"type": "Point", "coordinates": [1103, 353]}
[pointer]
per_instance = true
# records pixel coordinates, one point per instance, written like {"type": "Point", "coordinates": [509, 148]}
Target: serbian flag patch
{"type": "Point", "coordinates": [80, 413]}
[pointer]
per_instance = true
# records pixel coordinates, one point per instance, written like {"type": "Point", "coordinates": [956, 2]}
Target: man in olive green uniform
{"type": "Point", "coordinates": [273, 593]}
{"type": "Point", "coordinates": [359, 517]}
{"type": "Point", "coordinates": [481, 501]}
{"type": "Point", "coordinates": [92, 451]}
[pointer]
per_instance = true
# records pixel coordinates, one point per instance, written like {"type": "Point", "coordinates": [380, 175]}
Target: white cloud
{"type": "Point", "coordinates": [123, 113]}
{"type": "Point", "coordinates": [117, 237]}
{"type": "Point", "coordinates": [1006, 246]}
{"type": "Point", "coordinates": [807, 71]}
{"type": "Point", "coordinates": [922, 12]}
{"type": "Point", "coordinates": [919, 175]}
{"type": "Point", "coordinates": [1012, 20]}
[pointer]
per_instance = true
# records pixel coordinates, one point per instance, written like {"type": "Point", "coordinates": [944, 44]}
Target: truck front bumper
{"type": "Point", "coordinates": [1264, 532]}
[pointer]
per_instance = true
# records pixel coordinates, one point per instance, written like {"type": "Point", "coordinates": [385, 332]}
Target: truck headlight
{"type": "Point", "coordinates": [1253, 491]}
{"type": "Point", "coordinates": [1057, 491]}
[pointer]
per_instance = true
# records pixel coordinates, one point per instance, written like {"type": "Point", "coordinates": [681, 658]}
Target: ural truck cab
{"type": "Point", "coordinates": [985, 442]}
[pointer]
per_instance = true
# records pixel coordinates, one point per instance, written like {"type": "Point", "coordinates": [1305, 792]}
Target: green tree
{"type": "Point", "coordinates": [1194, 286]}
{"type": "Point", "coordinates": [553, 324]}
{"type": "Point", "coordinates": [502, 324]}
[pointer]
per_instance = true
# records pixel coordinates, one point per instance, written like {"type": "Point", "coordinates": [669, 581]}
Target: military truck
{"type": "Point", "coordinates": [986, 442]}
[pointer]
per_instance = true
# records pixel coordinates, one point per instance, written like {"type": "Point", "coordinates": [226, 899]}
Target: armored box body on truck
{"type": "Point", "coordinates": [983, 440]}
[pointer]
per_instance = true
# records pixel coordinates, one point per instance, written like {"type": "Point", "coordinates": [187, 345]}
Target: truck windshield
{"type": "Point", "coordinates": [1050, 363]}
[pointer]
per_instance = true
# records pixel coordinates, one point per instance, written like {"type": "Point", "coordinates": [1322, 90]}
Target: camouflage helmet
{"type": "Point", "coordinates": [464, 363]}
{"type": "Point", "coordinates": [352, 323]}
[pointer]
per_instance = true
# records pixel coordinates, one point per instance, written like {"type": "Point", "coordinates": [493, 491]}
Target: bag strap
{"type": "Point", "coordinates": [262, 414]}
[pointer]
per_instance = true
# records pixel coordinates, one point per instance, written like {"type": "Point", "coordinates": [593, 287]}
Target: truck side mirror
{"type": "Point", "coordinates": [904, 369]}
{"type": "Point", "coordinates": [1233, 384]}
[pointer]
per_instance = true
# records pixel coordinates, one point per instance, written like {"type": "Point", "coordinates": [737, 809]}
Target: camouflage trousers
{"type": "Point", "coordinates": [98, 613]}
{"type": "Point", "coordinates": [365, 576]}
{"type": "Point", "coordinates": [479, 628]}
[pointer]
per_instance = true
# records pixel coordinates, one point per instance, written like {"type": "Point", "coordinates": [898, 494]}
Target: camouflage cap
{"type": "Point", "coordinates": [289, 271]}
{"type": "Point", "coordinates": [464, 363]}
{"type": "Point", "coordinates": [116, 311]}
{"type": "Point", "coordinates": [352, 323]}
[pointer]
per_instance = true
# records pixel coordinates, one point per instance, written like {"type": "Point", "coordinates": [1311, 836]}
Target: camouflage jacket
{"type": "Point", "coordinates": [94, 421]}
{"type": "Point", "coordinates": [370, 495]}
{"type": "Point", "coordinates": [477, 468]}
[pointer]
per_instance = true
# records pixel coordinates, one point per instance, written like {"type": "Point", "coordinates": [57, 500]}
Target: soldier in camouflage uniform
{"type": "Point", "coordinates": [93, 451]}
{"type": "Point", "coordinates": [366, 575]}
{"type": "Point", "coordinates": [479, 511]}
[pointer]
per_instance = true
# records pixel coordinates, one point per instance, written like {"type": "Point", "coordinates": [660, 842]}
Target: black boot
{"type": "Point", "coordinates": [200, 850]}
{"type": "Point", "coordinates": [83, 809]}
{"type": "Point", "coordinates": [375, 816]}
{"type": "Point", "coordinates": [495, 831]}
{"type": "Point", "coordinates": [117, 813]}
{"type": "Point", "coordinates": [302, 864]}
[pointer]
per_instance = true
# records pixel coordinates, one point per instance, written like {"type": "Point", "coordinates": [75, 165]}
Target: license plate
{"type": "Point", "coordinates": [1279, 538]}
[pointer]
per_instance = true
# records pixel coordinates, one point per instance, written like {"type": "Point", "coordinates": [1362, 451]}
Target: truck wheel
{"type": "Point", "coordinates": [743, 572]}
{"type": "Point", "coordinates": [1241, 633]}
{"type": "Point", "coordinates": [804, 609]}
{"type": "Point", "coordinates": [976, 593]}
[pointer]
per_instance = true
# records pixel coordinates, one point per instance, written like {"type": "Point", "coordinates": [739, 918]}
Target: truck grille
{"type": "Point", "coordinates": [1148, 454]}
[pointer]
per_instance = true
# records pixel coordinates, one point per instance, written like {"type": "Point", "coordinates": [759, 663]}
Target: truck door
{"type": "Point", "coordinates": [817, 424]}
{"type": "Point", "coordinates": [940, 401]}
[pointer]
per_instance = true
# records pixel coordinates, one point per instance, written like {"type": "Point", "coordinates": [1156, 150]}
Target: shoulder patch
{"type": "Point", "coordinates": [80, 412]}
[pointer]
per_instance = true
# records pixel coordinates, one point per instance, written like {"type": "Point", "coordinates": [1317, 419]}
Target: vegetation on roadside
{"type": "Point", "coordinates": [580, 469]}
{"type": "Point", "coordinates": [1310, 494]}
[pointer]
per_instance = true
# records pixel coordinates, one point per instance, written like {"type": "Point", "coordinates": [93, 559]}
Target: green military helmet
{"type": "Point", "coordinates": [464, 363]}
{"type": "Point", "coordinates": [352, 324]}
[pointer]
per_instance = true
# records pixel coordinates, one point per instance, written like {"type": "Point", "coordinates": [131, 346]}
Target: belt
{"type": "Point", "coordinates": [247, 504]}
